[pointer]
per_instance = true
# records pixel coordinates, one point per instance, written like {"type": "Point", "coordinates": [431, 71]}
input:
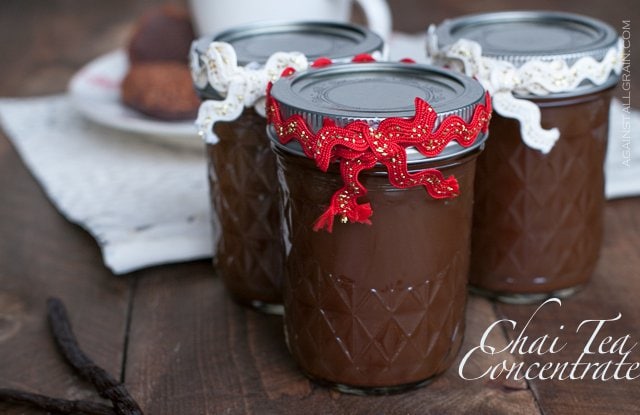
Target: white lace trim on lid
{"type": "Point", "coordinates": [538, 77]}
{"type": "Point", "coordinates": [242, 86]}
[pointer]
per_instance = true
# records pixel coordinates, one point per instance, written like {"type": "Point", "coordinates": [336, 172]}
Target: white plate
{"type": "Point", "coordinates": [95, 92]}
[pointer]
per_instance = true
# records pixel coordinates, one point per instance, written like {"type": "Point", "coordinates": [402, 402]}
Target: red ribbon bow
{"type": "Point", "coordinates": [358, 146]}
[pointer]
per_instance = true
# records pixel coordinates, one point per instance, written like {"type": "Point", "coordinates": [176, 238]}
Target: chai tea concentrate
{"type": "Point", "coordinates": [376, 163]}
{"type": "Point", "coordinates": [231, 71]}
{"type": "Point", "coordinates": [538, 214]}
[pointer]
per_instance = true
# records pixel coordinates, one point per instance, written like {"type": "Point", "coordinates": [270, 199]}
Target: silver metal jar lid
{"type": "Point", "coordinates": [375, 91]}
{"type": "Point", "coordinates": [521, 36]}
{"type": "Point", "coordinates": [256, 42]}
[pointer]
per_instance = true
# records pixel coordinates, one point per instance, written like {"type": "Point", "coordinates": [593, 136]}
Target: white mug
{"type": "Point", "coordinates": [211, 16]}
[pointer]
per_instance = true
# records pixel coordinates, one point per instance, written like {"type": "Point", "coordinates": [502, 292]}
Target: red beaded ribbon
{"type": "Point", "coordinates": [358, 146]}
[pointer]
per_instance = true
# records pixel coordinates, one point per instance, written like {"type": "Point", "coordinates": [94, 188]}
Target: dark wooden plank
{"type": "Point", "coordinates": [44, 42]}
{"type": "Point", "coordinates": [193, 351]}
{"type": "Point", "coordinates": [616, 281]}
{"type": "Point", "coordinates": [614, 289]}
{"type": "Point", "coordinates": [41, 255]}
{"type": "Point", "coordinates": [236, 362]}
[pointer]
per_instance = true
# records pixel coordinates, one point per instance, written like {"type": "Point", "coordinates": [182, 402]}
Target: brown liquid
{"type": "Point", "coordinates": [538, 217]}
{"type": "Point", "coordinates": [377, 306]}
{"type": "Point", "coordinates": [244, 194]}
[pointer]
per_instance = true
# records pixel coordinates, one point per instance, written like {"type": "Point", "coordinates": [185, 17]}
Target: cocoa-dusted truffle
{"type": "Point", "coordinates": [162, 90]}
{"type": "Point", "coordinates": [158, 83]}
{"type": "Point", "coordinates": [162, 34]}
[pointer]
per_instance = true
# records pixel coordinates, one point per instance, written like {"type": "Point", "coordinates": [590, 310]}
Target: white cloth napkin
{"type": "Point", "coordinates": [146, 203]}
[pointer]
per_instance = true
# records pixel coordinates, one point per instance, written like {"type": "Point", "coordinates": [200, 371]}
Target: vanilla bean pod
{"type": "Point", "coordinates": [105, 384]}
{"type": "Point", "coordinates": [58, 406]}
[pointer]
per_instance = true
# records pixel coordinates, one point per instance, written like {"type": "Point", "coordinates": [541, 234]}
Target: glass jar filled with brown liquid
{"type": "Point", "coordinates": [242, 169]}
{"type": "Point", "coordinates": [538, 215]}
{"type": "Point", "coordinates": [376, 164]}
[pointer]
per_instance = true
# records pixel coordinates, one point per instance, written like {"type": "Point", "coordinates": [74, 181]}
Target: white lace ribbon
{"type": "Point", "coordinates": [242, 86]}
{"type": "Point", "coordinates": [537, 77]}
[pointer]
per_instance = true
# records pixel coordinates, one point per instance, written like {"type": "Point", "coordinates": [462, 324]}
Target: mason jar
{"type": "Point", "coordinates": [377, 306]}
{"type": "Point", "coordinates": [249, 254]}
{"type": "Point", "coordinates": [538, 213]}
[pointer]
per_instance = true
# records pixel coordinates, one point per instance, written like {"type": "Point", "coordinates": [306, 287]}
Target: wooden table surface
{"type": "Point", "coordinates": [170, 333]}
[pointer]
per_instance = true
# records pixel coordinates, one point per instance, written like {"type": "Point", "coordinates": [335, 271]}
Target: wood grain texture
{"type": "Point", "coordinates": [192, 350]}
{"type": "Point", "coordinates": [614, 289]}
{"type": "Point", "coordinates": [45, 42]}
{"type": "Point", "coordinates": [42, 255]}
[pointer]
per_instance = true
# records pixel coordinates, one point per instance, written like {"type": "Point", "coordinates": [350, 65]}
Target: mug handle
{"type": "Point", "coordinates": [378, 16]}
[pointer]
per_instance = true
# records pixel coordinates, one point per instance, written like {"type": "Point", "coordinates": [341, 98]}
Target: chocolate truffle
{"type": "Point", "coordinates": [160, 89]}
